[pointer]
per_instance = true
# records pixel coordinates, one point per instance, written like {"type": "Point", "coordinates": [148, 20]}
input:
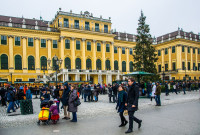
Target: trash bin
{"type": "Point", "coordinates": [26, 107]}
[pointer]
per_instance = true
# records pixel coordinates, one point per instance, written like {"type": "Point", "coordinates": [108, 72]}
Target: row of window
{"type": "Point", "coordinates": [195, 68]}
{"type": "Point", "coordinates": [87, 25]}
{"type": "Point", "coordinates": [67, 62]}
{"type": "Point", "coordinates": [67, 44]}
{"type": "Point", "coordinates": [174, 50]}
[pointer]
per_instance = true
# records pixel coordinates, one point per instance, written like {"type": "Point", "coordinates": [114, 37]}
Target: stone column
{"type": "Point", "coordinates": [191, 62]}
{"type": "Point", "coordinates": [66, 77]}
{"type": "Point", "coordinates": [170, 59]}
{"type": "Point", "coordinates": [85, 77]}
{"type": "Point", "coordinates": [127, 60]}
{"type": "Point", "coordinates": [73, 53]}
{"type": "Point", "coordinates": [94, 55]}
{"type": "Point", "coordinates": [61, 49]}
{"type": "Point", "coordinates": [11, 57]}
{"type": "Point", "coordinates": [186, 62]}
{"type": "Point", "coordinates": [24, 57]}
{"type": "Point", "coordinates": [103, 55]}
{"type": "Point", "coordinates": [83, 54]}
{"type": "Point", "coordinates": [178, 57]}
{"type": "Point", "coordinates": [49, 54]}
{"type": "Point", "coordinates": [37, 57]}
{"type": "Point", "coordinates": [196, 54]}
{"type": "Point", "coordinates": [120, 58]}
{"type": "Point", "coordinates": [163, 60]}
{"type": "Point", "coordinates": [112, 55]}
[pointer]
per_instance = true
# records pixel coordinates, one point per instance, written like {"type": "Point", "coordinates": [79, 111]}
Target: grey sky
{"type": "Point", "coordinates": [163, 16]}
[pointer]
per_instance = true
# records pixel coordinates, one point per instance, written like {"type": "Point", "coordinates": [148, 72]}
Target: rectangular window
{"type": "Point", "coordinates": [30, 41]}
{"type": "Point", "coordinates": [183, 65]}
{"type": "Point", "coordinates": [31, 80]}
{"type": "Point", "coordinates": [166, 67]}
{"type": "Point", "coordinates": [87, 26]}
{"type": "Point", "coordinates": [131, 51]}
{"type": "Point", "coordinates": [188, 65]}
{"type": "Point", "coordinates": [55, 44]}
{"type": "Point", "coordinates": [98, 47]}
{"type": "Point", "coordinates": [66, 23]}
{"type": "Point", "coordinates": [78, 45]}
{"type": "Point", "coordinates": [4, 40]}
{"type": "Point", "coordinates": [159, 53]}
{"type": "Point", "coordinates": [183, 48]}
{"type": "Point", "coordinates": [194, 67]}
{"type": "Point", "coordinates": [106, 28]}
{"type": "Point", "coordinates": [97, 27]}
{"type": "Point", "coordinates": [188, 49]}
{"type": "Point", "coordinates": [17, 41]}
{"type": "Point", "coordinates": [199, 66]}
{"type": "Point", "coordinates": [159, 68]}
{"type": "Point", "coordinates": [174, 66]}
{"type": "Point", "coordinates": [76, 24]}
{"type": "Point", "coordinates": [115, 49]}
{"type": "Point", "coordinates": [107, 48]}
{"type": "Point", "coordinates": [198, 50]}
{"type": "Point", "coordinates": [166, 51]}
{"type": "Point", "coordinates": [123, 50]}
{"type": "Point", "coordinates": [173, 49]}
{"type": "Point", "coordinates": [67, 44]}
{"type": "Point", "coordinates": [193, 50]}
{"type": "Point", "coordinates": [43, 42]}
{"type": "Point", "coordinates": [89, 46]}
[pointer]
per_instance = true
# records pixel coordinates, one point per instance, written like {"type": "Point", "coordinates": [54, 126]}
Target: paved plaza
{"type": "Point", "coordinates": [92, 109]}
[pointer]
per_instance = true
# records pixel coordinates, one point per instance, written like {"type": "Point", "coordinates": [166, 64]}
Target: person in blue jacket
{"type": "Point", "coordinates": [10, 98]}
{"type": "Point", "coordinates": [28, 94]}
{"type": "Point", "coordinates": [122, 97]}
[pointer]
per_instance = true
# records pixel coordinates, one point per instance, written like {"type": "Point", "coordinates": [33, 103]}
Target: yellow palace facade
{"type": "Point", "coordinates": [87, 48]}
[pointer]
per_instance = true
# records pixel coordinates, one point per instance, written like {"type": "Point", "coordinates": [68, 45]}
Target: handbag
{"type": "Point", "coordinates": [77, 102]}
{"type": "Point", "coordinates": [125, 112]}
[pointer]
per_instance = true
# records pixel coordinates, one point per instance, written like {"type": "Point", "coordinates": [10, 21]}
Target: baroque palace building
{"type": "Point", "coordinates": [88, 48]}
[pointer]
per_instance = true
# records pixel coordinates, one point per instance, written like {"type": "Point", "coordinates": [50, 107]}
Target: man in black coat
{"type": "Point", "coordinates": [132, 104]}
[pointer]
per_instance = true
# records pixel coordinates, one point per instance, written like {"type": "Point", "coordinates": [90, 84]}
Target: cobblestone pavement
{"type": "Point", "coordinates": [91, 109]}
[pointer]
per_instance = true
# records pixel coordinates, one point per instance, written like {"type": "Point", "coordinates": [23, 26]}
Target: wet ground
{"type": "Point", "coordinates": [174, 119]}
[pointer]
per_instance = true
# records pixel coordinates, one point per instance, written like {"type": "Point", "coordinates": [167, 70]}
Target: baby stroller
{"type": "Point", "coordinates": [44, 115]}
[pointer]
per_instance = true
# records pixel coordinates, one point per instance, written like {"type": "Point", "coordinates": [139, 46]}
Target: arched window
{"type": "Point", "coordinates": [123, 66]}
{"type": "Point", "coordinates": [131, 66]}
{"type": "Point", "coordinates": [98, 64]}
{"type": "Point", "coordinates": [43, 62]}
{"type": "Point", "coordinates": [18, 62]}
{"type": "Point", "coordinates": [78, 63]}
{"type": "Point", "coordinates": [108, 65]}
{"type": "Point", "coordinates": [116, 65]}
{"type": "Point", "coordinates": [88, 64]}
{"type": "Point", "coordinates": [31, 63]}
{"type": "Point", "coordinates": [68, 63]}
{"type": "Point", "coordinates": [4, 61]}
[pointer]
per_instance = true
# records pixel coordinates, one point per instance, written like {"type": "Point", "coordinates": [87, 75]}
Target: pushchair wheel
{"type": "Point", "coordinates": [38, 122]}
{"type": "Point", "coordinates": [47, 122]}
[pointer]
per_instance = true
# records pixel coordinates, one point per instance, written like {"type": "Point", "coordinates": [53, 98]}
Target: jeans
{"type": "Point", "coordinates": [85, 97]}
{"type": "Point", "coordinates": [184, 90]}
{"type": "Point", "coordinates": [16, 103]}
{"type": "Point", "coordinates": [123, 119]}
{"type": "Point", "coordinates": [11, 106]}
{"type": "Point", "coordinates": [131, 119]}
{"type": "Point", "coordinates": [58, 103]}
{"type": "Point", "coordinates": [158, 102]}
{"type": "Point", "coordinates": [74, 116]}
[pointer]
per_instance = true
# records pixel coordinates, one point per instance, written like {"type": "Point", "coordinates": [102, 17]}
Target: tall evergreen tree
{"type": "Point", "coordinates": [144, 56]}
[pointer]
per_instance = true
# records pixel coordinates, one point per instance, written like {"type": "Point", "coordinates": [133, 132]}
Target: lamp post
{"type": "Point", "coordinates": [163, 74]}
{"type": "Point", "coordinates": [58, 63]}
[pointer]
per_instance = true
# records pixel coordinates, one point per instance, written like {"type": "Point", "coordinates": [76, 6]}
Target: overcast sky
{"type": "Point", "coordinates": [163, 16]}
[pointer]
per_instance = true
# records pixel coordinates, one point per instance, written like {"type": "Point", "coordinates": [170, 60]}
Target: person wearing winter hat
{"type": "Point", "coordinates": [54, 111]}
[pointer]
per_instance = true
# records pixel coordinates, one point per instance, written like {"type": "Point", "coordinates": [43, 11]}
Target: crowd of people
{"type": "Point", "coordinates": [67, 97]}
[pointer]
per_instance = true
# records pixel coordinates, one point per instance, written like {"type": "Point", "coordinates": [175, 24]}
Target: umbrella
{"type": "Point", "coordinates": [138, 74]}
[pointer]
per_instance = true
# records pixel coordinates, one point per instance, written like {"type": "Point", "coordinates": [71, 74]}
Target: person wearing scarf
{"type": "Point", "coordinates": [122, 97]}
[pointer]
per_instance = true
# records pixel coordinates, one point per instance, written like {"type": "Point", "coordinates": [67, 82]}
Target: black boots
{"type": "Point", "coordinates": [139, 124]}
{"type": "Point", "coordinates": [129, 131]}
{"type": "Point", "coordinates": [123, 124]}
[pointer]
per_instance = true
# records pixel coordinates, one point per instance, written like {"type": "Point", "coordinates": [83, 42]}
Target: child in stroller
{"type": "Point", "coordinates": [44, 115]}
